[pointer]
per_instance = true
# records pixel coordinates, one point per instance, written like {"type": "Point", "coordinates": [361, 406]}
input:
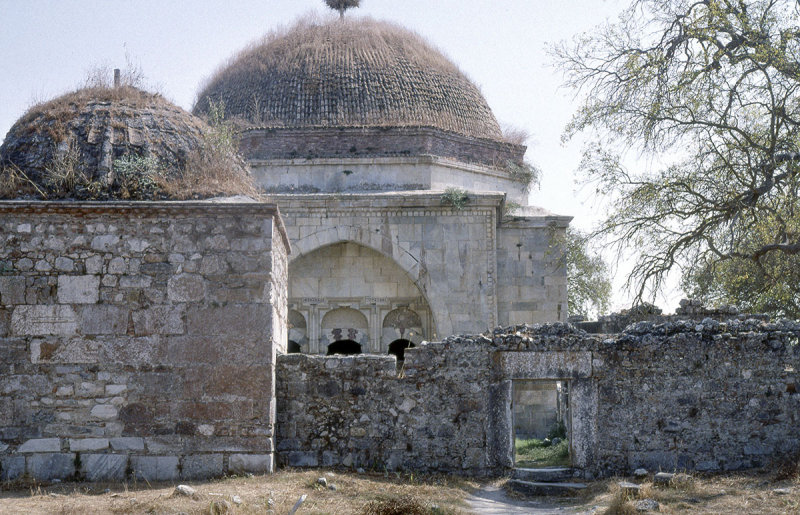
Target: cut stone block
{"type": "Point", "coordinates": [254, 463]}
{"type": "Point", "coordinates": [186, 288]}
{"type": "Point", "coordinates": [159, 320]}
{"type": "Point", "coordinates": [303, 459]}
{"type": "Point", "coordinates": [155, 468]}
{"type": "Point", "coordinates": [41, 445]}
{"type": "Point", "coordinates": [12, 290]}
{"type": "Point", "coordinates": [104, 467]}
{"type": "Point", "coordinates": [48, 466]}
{"type": "Point", "coordinates": [11, 467]}
{"type": "Point", "coordinates": [78, 289]}
{"type": "Point", "coordinates": [104, 411]}
{"type": "Point", "coordinates": [44, 320]}
{"type": "Point", "coordinates": [88, 444]}
{"type": "Point", "coordinates": [202, 466]}
{"type": "Point", "coordinates": [127, 443]}
{"type": "Point", "coordinates": [103, 319]}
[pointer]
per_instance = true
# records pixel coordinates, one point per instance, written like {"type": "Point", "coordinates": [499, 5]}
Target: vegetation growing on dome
{"type": "Point", "coordinates": [326, 72]}
{"type": "Point", "coordinates": [104, 142]}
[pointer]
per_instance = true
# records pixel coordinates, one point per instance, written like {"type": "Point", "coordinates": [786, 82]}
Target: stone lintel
{"type": "Point", "coordinates": [546, 365]}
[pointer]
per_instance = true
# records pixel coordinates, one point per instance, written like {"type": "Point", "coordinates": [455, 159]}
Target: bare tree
{"type": "Point", "coordinates": [342, 5]}
{"type": "Point", "coordinates": [712, 89]}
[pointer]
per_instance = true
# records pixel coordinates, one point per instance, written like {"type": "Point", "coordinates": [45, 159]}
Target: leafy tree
{"type": "Point", "coordinates": [711, 89]}
{"type": "Point", "coordinates": [342, 5]}
{"type": "Point", "coordinates": [588, 283]}
{"type": "Point", "coordinates": [769, 285]}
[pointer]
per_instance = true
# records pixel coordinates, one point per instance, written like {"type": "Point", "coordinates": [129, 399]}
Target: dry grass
{"type": "Point", "coordinates": [355, 494]}
{"type": "Point", "coordinates": [687, 494]}
{"type": "Point", "coordinates": [379, 494]}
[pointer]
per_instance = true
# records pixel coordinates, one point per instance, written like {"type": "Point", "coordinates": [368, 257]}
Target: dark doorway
{"type": "Point", "coordinates": [344, 347]}
{"type": "Point", "coordinates": [293, 347]}
{"type": "Point", "coordinates": [398, 348]}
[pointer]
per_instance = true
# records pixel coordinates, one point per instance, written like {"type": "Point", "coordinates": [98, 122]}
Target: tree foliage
{"type": "Point", "coordinates": [342, 5]}
{"type": "Point", "coordinates": [588, 283]}
{"type": "Point", "coordinates": [711, 89]}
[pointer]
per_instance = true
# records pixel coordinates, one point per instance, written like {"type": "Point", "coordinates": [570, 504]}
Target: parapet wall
{"type": "Point", "coordinates": [139, 339]}
{"type": "Point", "coordinates": [679, 395]}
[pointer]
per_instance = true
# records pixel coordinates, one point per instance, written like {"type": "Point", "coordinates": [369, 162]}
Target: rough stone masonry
{"type": "Point", "coordinates": [139, 339]}
{"type": "Point", "coordinates": [696, 395]}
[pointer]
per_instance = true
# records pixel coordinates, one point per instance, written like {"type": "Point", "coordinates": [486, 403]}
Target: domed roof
{"type": "Point", "coordinates": [349, 72]}
{"type": "Point", "coordinates": [101, 142]}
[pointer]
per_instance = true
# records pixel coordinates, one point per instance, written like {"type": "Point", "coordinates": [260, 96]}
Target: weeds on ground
{"type": "Point", "coordinates": [405, 505]}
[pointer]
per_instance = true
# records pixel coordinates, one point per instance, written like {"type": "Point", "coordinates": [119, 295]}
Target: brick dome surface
{"type": "Point", "coordinates": [347, 73]}
{"type": "Point", "coordinates": [92, 127]}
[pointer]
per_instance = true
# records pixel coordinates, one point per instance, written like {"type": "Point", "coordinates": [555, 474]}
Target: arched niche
{"type": "Point", "coordinates": [345, 324]}
{"type": "Point", "coordinates": [298, 331]}
{"type": "Point", "coordinates": [402, 324]}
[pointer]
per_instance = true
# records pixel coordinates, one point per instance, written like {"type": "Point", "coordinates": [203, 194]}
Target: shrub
{"type": "Point", "coordinates": [455, 197]}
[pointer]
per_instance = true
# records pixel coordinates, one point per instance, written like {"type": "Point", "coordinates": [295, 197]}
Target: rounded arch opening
{"type": "Point", "coordinates": [398, 348]}
{"type": "Point", "coordinates": [293, 347]}
{"type": "Point", "coordinates": [344, 348]}
{"type": "Point", "coordinates": [326, 266]}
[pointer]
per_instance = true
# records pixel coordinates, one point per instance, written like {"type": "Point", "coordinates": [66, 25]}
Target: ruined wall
{"type": "Point", "coordinates": [677, 395]}
{"type": "Point", "coordinates": [359, 412]}
{"type": "Point", "coordinates": [138, 339]}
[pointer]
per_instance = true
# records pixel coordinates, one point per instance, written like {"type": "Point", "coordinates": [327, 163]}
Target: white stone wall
{"type": "Point", "coordinates": [448, 254]}
{"type": "Point", "coordinates": [381, 174]}
{"type": "Point", "coordinates": [531, 270]}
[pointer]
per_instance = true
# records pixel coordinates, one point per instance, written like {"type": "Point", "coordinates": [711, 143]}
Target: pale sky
{"type": "Point", "coordinates": [47, 47]}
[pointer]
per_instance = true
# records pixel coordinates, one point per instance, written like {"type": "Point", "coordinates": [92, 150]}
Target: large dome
{"type": "Point", "coordinates": [349, 73]}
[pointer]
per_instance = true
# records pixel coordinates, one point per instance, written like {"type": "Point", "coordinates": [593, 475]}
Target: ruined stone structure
{"type": "Point", "coordinates": [695, 395]}
{"type": "Point", "coordinates": [139, 339]}
{"type": "Point", "coordinates": [166, 340]}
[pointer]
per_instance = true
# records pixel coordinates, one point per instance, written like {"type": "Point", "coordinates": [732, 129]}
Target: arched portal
{"type": "Point", "coordinates": [344, 347]}
{"type": "Point", "coordinates": [346, 291]}
{"type": "Point", "coordinates": [293, 347]}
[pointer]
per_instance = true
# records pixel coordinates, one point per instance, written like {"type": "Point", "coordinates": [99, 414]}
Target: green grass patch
{"type": "Point", "coordinates": [534, 453]}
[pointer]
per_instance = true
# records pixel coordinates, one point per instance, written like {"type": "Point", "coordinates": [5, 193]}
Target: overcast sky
{"type": "Point", "coordinates": [47, 47]}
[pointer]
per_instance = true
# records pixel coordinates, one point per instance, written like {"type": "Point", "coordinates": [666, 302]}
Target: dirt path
{"type": "Point", "coordinates": [493, 500]}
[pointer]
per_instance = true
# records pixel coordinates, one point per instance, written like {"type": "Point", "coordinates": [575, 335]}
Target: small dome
{"type": "Point", "coordinates": [97, 142]}
{"type": "Point", "coordinates": [349, 73]}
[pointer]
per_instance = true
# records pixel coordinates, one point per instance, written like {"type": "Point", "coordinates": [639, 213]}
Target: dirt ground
{"type": "Point", "coordinates": [388, 493]}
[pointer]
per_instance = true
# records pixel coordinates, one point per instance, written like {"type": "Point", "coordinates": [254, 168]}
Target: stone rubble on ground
{"type": "Point", "coordinates": [647, 505]}
{"type": "Point", "coordinates": [186, 490]}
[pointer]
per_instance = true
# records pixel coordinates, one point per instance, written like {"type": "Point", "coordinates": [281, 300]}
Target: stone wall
{"type": "Point", "coordinates": [139, 339]}
{"type": "Point", "coordinates": [675, 395]}
{"type": "Point", "coordinates": [531, 270]}
{"type": "Point", "coordinates": [360, 412]}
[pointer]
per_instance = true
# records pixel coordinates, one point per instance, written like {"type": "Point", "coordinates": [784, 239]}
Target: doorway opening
{"type": "Point", "coordinates": [398, 348]}
{"type": "Point", "coordinates": [542, 424]}
{"type": "Point", "coordinates": [344, 347]}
